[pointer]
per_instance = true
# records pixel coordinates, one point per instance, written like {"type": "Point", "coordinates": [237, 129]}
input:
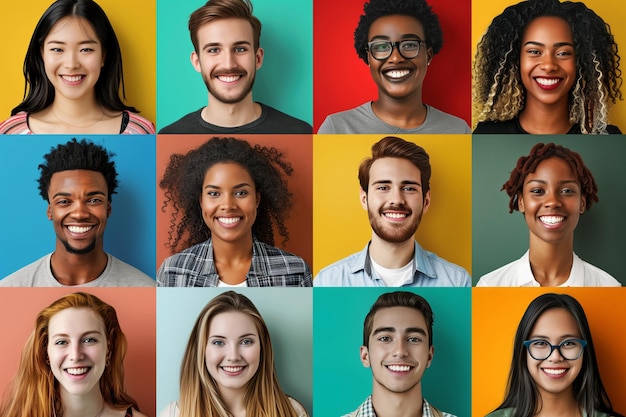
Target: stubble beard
{"type": "Point", "coordinates": [74, 251]}
{"type": "Point", "coordinates": [388, 232]}
{"type": "Point", "coordinates": [229, 100]}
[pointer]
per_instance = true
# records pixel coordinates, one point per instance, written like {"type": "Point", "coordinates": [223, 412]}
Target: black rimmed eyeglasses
{"type": "Point", "coordinates": [381, 50]}
{"type": "Point", "coordinates": [569, 349]}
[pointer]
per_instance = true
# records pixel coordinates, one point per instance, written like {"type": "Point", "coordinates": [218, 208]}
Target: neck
{"type": "Point", "coordinates": [233, 259]}
{"type": "Point", "coordinates": [558, 405]}
{"type": "Point", "coordinates": [88, 405]}
{"type": "Point", "coordinates": [391, 255]}
{"type": "Point", "coordinates": [540, 118]}
{"type": "Point", "coordinates": [551, 263]}
{"type": "Point", "coordinates": [233, 400]}
{"type": "Point", "coordinates": [231, 114]}
{"type": "Point", "coordinates": [74, 269]}
{"type": "Point", "coordinates": [406, 112]}
{"type": "Point", "coordinates": [391, 404]}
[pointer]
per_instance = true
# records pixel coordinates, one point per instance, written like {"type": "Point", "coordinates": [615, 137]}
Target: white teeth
{"type": "Point", "coordinates": [548, 81]}
{"type": "Point", "coordinates": [77, 371]}
{"type": "Point", "coordinates": [397, 73]}
{"type": "Point", "coordinates": [552, 219]}
{"type": "Point", "coordinates": [229, 220]}
{"type": "Point", "coordinates": [399, 368]}
{"type": "Point", "coordinates": [79, 229]}
{"type": "Point", "coordinates": [229, 78]}
{"type": "Point", "coordinates": [72, 78]}
{"type": "Point", "coordinates": [395, 215]}
{"type": "Point", "coordinates": [554, 371]}
{"type": "Point", "coordinates": [232, 368]}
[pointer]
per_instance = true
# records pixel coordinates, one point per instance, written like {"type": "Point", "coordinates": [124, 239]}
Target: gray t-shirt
{"type": "Point", "coordinates": [362, 119]}
{"type": "Point", "coordinates": [116, 274]}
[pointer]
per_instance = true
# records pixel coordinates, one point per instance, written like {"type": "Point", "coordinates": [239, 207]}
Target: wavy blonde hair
{"type": "Point", "coordinates": [34, 392]}
{"type": "Point", "coordinates": [199, 395]}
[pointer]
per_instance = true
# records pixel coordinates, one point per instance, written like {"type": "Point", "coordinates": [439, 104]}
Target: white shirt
{"type": "Point", "coordinates": [519, 274]}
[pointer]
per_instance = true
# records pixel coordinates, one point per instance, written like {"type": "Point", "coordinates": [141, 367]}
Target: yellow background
{"type": "Point", "coordinates": [496, 313]}
{"type": "Point", "coordinates": [341, 226]}
{"type": "Point", "coordinates": [483, 12]}
{"type": "Point", "coordinates": [134, 23]}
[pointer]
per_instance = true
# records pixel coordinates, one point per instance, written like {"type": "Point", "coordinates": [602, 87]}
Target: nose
{"type": "Point", "coordinates": [555, 356]}
{"type": "Point", "coordinates": [553, 199]}
{"type": "Point", "coordinates": [548, 63]}
{"type": "Point", "coordinates": [71, 60]}
{"type": "Point", "coordinates": [76, 352]}
{"type": "Point", "coordinates": [395, 54]}
{"type": "Point", "coordinates": [229, 59]}
{"type": "Point", "coordinates": [228, 201]}
{"type": "Point", "coordinates": [80, 210]}
{"type": "Point", "coordinates": [233, 352]}
{"type": "Point", "coordinates": [399, 349]}
{"type": "Point", "coordinates": [396, 197]}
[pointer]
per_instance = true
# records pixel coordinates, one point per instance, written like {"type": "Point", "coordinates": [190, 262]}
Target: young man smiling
{"type": "Point", "coordinates": [398, 347]}
{"type": "Point", "coordinates": [395, 191]}
{"type": "Point", "coordinates": [227, 54]}
{"type": "Point", "coordinates": [397, 40]}
{"type": "Point", "coordinates": [78, 179]}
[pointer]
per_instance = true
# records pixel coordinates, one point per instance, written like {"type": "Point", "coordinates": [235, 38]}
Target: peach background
{"type": "Point", "coordinates": [136, 312]}
{"type": "Point", "coordinates": [496, 312]}
{"type": "Point", "coordinates": [298, 151]}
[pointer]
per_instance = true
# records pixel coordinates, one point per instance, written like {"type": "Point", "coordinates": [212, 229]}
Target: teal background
{"type": "Point", "coordinates": [499, 237]}
{"type": "Point", "coordinates": [286, 311]}
{"type": "Point", "coordinates": [341, 383]}
{"type": "Point", "coordinates": [285, 81]}
{"type": "Point", "coordinates": [27, 234]}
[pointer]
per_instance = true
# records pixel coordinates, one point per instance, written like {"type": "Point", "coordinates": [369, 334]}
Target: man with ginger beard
{"type": "Point", "coordinates": [227, 53]}
{"type": "Point", "coordinates": [395, 191]}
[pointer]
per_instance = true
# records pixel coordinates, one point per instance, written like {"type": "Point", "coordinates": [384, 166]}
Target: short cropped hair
{"type": "Point", "coordinates": [418, 9]}
{"type": "Point", "coordinates": [223, 9]}
{"type": "Point", "coordinates": [399, 299]}
{"type": "Point", "coordinates": [393, 147]}
{"type": "Point", "coordinates": [73, 155]}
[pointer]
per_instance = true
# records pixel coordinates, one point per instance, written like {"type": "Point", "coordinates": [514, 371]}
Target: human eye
{"type": "Point", "coordinates": [62, 202]}
{"type": "Point", "coordinates": [213, 50]}
{"type": "Point", "coordinates": [95, 200]}
{"type": "Point", "coordinates": [240, 49]}
{"type": "Point", "coordinates": [241, 193]}
{"type": "Point", "coordinates": [539, 344]}
{"type": "Point", "coordinates": [380, 46]}
{"type": "Point", "coordinates": [564, 53]}
{"type": "Point", "coordinates": [212, 193]}
{"type": "Point", "coordinates": [571, 343]}
{"type": "Point", "coordinates": [90, 340]}
{"type": "Point", "coordinates": [217, 342]}
{"type": "Point", "coordinates": [60, 342]}
{"type": "Point", "coordinates": [247, 342]}
{"type": "Point", "coordinates": [537, 191]}
{"type": "Point", "coordinates": [382, 188]}
{"type": "Point", "coordinates": [414, 339]}
{"type": "Point", "coordinates": [410, 45]}
{"type": "Point", "coordinates": [384, 339]}
{"type": "Point", "coordinates": [409, 188]}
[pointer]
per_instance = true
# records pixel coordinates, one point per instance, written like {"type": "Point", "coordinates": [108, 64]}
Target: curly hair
{"type": "Point", "coordinates": [184, 175]}
{"type": "Point", "coordinates": [540, 152]}
{"type": "Point", "coordinates": [78, 155]}
{"type": "Point", "coordinates": [418, 9]}
{"type": "Point", "coordinates": [498, 93]}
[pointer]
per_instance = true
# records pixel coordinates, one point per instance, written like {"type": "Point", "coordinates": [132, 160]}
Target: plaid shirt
{"type": "Point", "coordinates": [270, 267]}
{"type": "Point", "coordinates": [367, 410]}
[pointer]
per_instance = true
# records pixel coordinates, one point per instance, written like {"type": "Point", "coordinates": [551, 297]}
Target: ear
{"type": "Point", "coordinates": [365, 359]}
{"type": "Point", "coordinates": [258, 199]}
{"type": "Point", "coordinates": [429, 55]}
{"type": "Point", "coordinates": [363, 199]}
{"type": "Point", "coordinates": [49, 212]}
{"type": "Point", "coordinates": [195, 61]}
{"type": "Point", "coordinates": [520, 203]}
{"type": "Point", "coordinates": [431, 353]}
{"type": "Point", "coordinates": [426, 202]}
{"type": "Point", "coordinates": [259, 57]}
{"type": "Point", "coordinates": [583, 204]}
{"type": "Point", "coordinates": [104, 56]}
{"type": "Point", "coordinates": [108, 208]}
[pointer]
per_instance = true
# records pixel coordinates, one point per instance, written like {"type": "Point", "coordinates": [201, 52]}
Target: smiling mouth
{"type": "Point", "coordinates": [555, 372]}
{"type": "Point", "coordinates": [551, 220]}
{"type": "Point", "coordinates": [397, 74]}
{"type": "Point", "coordinates": [229, 220]}
{"type": "Point", "coordinates": [72, 78]}
{"type": "Point", "coordinates": [229, 78]}
{"type": "Point", "coordinates": [399, 368]}
{"type": "Point", "coordinates": [395, 216]}
{"type": "Point", "coordinates": [77, 371]}
{"type": "Point", "coordinates": [79, 229]}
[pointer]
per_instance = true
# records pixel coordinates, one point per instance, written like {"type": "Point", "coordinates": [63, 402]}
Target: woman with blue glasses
{"type": "Point", "coordinates": [554, 369]}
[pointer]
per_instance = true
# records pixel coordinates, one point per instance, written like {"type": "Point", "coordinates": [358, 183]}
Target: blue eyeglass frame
{"type": "Point", "coordinates": [583, 343]}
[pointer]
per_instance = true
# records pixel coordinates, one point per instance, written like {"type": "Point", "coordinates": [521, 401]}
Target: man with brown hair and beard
{"type": "Point", "coordinates": [226, 38]}
{"type": "Point", "coordinates": [395, 191]}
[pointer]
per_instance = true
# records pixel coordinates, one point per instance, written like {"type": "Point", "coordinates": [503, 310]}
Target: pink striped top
{"type": "Point", "coordinates": [132, 124]}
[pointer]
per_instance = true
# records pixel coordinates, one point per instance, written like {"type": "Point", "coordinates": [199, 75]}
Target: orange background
{"type": "Point", "coordinates": [496, 312]}
{"type": "Point", "coordinates": [298, 150]}
{"type": "Point", "coordinates": [135, 309]}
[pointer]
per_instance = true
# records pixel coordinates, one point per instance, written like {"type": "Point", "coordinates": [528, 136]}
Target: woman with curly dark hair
{"type": "Point", "coordinates": [546, 67]}
{"type": "Point", "coordinates": [228, 200]}
{"type": "Point", "coordinates": [552, 188]}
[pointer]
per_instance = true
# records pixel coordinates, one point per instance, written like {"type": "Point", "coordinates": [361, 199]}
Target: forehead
{"type": "Point", "coordinates": [556, 322]}
{"type": "Point", "coordinates": [394, 169]}
{"type": "Point", "coordinates": [399, 318]}
{"type": "Point", "coordinates": [77, 179]}
{"type": "Point", "coordinates": [232, 323]}
{"type": "Point", "coordinates": [75, 320]}
{"type": "Point", "coordinates": [226, 31]}
{"type": "Point", "coordinates": [554, 167]}
{"type": "Point", "coordinates": [224, 173]}
{"type": "Point", "coordinates": [396, 26]}
{"type": "Point", "coordinates": [549, 28]}
{"type": "Point", "coordinates": [72, 26]}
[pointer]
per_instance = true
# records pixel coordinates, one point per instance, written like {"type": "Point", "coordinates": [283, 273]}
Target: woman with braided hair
{"type": "Point", "coordinates": [228, 200]}
{"type": "Point", "coordinates": [552, 188]}
{"type": "Point", "coordinates": [546, 67]}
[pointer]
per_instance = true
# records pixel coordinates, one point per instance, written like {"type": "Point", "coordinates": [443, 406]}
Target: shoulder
{"type": "Point", "coordinates": [447, 273]}
{"type": "Point", "coordinates": [15, 125]}
{"type": "Point", "coordinates": [508, 126]}
{"type": "Point", "coordinates": [341, 273]}
{"type": "Point", "coordinates": [349, 121]}
{"type": "Point", "coordinates": [505, 276]}
{"type": "Point", "coordinates": [300, 411]}
{"type": "Point", "coordinates": [503, 412]}
{"type": "Point", "coordinates": [613, 130]}
{"type": "Point", "coordinates": [34, 274]}
{"type": "Point", "coordinates": [138, 125]}
{"type": "Point", "coordinates": [121, 274]}
{"type": "Point", "coordinates": [278, 122]}
{"type": "Point", "coordinates": [438, 121]}
{"type": "Point", "coordinates": [279, 262]}
{"type": "Point", "coordinates": [190, 123]}
{"type": "Point", "coordinates": [594, 276]}
{"type": "Point", "coordinates": [190, 267]}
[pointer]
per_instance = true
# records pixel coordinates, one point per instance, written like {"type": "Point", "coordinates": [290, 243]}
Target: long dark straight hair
{"type": "Point", "coordinates": [522, 394]}
{"type": "Point", "coordinates": [39, 91]}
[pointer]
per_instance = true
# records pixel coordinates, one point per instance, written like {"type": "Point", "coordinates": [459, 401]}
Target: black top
{"type": "Point", "coordinates": [513, 127]}
{"type": "Point", "coordinates": [270, 121]}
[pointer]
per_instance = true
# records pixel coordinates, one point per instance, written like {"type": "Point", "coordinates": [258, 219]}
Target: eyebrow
{"type": "Point", "coordinates": [209, 44]}
{"type": "Point", "coordinates": [403, 182]}
{"type": "Point", "coordinates": [82, 335]}
{"type": "Point", "coordinates": [393, 330]}
{"type": "Point", "coordinates": [217, 187]}
{"type": "Point", "coordinates": [217, 336]}
{"type": "Point", "coordinates": [562, 337]}
{"type": "Point", "coordinates": [559, 182]}
{"type": "Point", "coordinates": [405, 36]}
{"type": "Point", "coordinates": [89, 42]}
{"type": "Point", "coordinates": [89, 194]}
{"type": "Point", "coordinates": [557, 45]}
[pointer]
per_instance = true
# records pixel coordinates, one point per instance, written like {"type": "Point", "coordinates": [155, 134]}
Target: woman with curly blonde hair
{"type": "Point", "coordinates": [546, 67]}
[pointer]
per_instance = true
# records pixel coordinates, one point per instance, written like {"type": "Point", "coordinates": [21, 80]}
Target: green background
{"type": "Point", "coordinates": [499, 237]}
{"type": "Point", "coordinates": [287, 314]}
{"type": "Point", "coordinates": [341, 383]}
{"type": "Point", "coordinates": [285, 81]}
